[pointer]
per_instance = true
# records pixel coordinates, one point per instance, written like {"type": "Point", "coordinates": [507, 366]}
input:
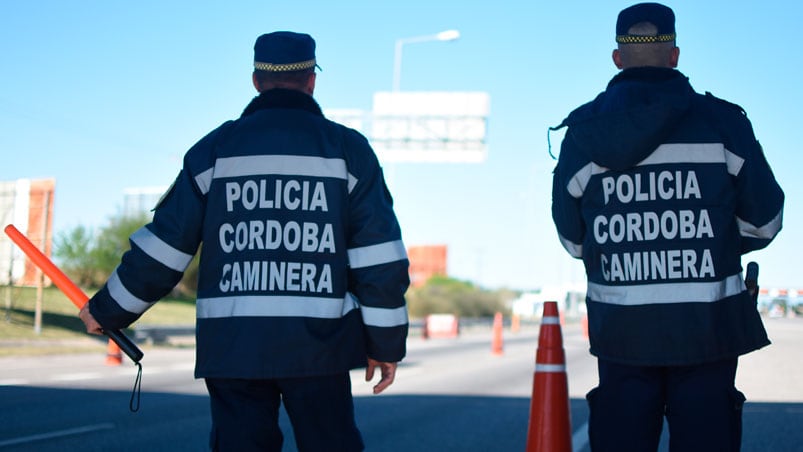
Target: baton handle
{"type": "Point", "coordinates": [73, 292]}
{"type": "Point", "coordinates": [126, 345]}
{"type": "Point", "coordinates": [751, 279]}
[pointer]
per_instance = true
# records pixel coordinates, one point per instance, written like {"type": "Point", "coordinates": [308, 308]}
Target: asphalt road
{"type": "Point", "coordinates": [450, 395]}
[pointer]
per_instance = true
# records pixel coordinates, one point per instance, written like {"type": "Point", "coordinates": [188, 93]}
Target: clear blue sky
{"type": "Point", "coordinates": [105, 95]}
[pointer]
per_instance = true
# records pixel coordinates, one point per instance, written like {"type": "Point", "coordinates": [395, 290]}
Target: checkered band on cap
{"type": "Point", "coordinates": [284, 51]}
{"type": "Point", "coordinates": [273, 67]}
{"type": "Point", "coordinates": [661, 16]}
{"type": "Point", "coordinates": [636, 39]}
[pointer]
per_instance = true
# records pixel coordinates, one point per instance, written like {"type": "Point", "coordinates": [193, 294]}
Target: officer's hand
{"type": "Point", "coordinates": [92, 325]}
{"type": "Point", "coordinates": [388, 371]}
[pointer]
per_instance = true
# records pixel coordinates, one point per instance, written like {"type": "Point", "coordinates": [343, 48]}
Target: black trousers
{"type": "Point", "coordinates": [702, 407]}
{"type": "Point", "coordinates": [245, 414]}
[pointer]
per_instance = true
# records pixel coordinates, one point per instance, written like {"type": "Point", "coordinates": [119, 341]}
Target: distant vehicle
{"type": "Point", "coordinates": [777, 310]}
{"type": "Point", "coordinates": [780, 302]}
{"type": "Point", "coordinates": [570, 298]}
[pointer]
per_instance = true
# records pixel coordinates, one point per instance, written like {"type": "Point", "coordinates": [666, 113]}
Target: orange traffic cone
{"type": "Point", "coordinates": [114, 356]}
{"type": "Point", "coordinates": [497, 344]}
{"type": "Point", "coordinates": [584, 325]}
{"type": "Point", "coordinates": [515, 323]}
{"type": "Point", "coordinates": [550, 421]}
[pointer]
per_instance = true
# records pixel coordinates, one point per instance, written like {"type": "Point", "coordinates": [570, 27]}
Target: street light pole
{"type": "Point", "coordinates": [448, 35]}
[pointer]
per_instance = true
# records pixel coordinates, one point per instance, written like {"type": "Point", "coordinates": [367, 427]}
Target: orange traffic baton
{"type": "Point", "coordinates": [69, 288]}
{"type": "Point", "coordinates": [550, 420]}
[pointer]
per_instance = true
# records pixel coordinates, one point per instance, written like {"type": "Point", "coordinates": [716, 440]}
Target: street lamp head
{"type": "Point", "coordinates": [448, 35]}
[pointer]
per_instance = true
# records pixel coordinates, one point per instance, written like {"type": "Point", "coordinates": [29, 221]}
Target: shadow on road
{"type": "Point", "coordinates": [58, 419]}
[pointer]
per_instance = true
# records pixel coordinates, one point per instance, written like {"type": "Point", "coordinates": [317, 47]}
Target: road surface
{"type": "Point", "coordinates": [449, 395]}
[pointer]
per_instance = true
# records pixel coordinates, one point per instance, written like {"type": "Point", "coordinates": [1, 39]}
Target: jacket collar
{"type": "Point", "coordinates": [282, 98]}
{"type": "Point", "coordinates": [646, 74]}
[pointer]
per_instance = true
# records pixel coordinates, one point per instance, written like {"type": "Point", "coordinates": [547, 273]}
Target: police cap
{"type": "Point", "coordinates": [283, 51]}
{"type": "Point", "coordinates": [655, 13]}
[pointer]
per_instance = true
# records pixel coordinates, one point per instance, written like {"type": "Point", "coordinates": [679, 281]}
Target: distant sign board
{"type": "Point", "coordinates": [430, 126]}
{"type": "Point", "coordinates": [28, 205]}
{"type": "Point", "coordinates": [424, 126]}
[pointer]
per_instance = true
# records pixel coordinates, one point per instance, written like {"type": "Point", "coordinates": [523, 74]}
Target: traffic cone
{"type": "Point", "coordinates": [114, 356]}
{"type": "Point", "coordinates": [497, 344]}
{"type": "Point", "coordinates": [515, 323]}
{"type": "Point", "coordinates": [550, 420]}
{"type": "Point", "coordinates": [584, 325]}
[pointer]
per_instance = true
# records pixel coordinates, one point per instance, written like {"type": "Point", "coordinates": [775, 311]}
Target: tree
{"type": "Point", "coordinates": [112, 242]}
{"type": "Point", "coordinates": [74, 250]}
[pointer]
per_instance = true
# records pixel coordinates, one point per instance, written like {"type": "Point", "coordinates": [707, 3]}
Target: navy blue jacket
{"type": "Point", "coordinates": [302, 270]}
{"type": "Point", "coordinates": [660, 190]}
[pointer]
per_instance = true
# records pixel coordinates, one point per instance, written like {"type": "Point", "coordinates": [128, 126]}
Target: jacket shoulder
{"type": "Point", "coordinates": [726, 114]}
{"type": "Point", "coordinates": [348, 133]}
{"type": "Point", "coordinates": [583, 112]}
{"type": "Point", "coordinates": [717, 102]}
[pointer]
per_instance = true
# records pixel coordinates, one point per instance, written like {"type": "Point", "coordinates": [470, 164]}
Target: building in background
{"type": "Point", "coordinates": [28, 205]}
{"type": "Point", "coordinates": [426, 261]}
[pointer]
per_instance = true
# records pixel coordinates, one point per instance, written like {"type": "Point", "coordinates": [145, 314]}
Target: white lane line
{"type": "Point", "coordinates": [183, 366]}
{"type": "Point", "coordinates": [82, 376]}
{"type": "Point", "coordinates": [77, 376]}
{"type": "Point", "coordinates": [56, 434]}
{"type": "Point", "coordinates": [580, 438]}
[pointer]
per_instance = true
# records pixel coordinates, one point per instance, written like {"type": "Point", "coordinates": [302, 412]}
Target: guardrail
{"type": "Point", "coordinates": [163, 334]}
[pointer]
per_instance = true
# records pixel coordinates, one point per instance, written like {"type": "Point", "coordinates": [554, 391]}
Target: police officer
{"type": "Point", "coordinates": [302, 272]}
{"type": "Point", "coordinates": [660, 190]}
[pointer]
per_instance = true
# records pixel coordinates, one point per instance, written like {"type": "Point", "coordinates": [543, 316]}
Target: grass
{"type": "Point", "coordinates": [61, 329]}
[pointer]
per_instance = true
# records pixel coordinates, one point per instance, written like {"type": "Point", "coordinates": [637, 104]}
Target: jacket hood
{"type": "Point", "coordinates": [636, 112]}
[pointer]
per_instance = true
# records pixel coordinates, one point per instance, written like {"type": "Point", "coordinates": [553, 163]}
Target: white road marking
{"type": "Point", "coordinates": [580, 438]}
{"type": "Point", "coordinates": [56, 434]}
{"type": "Point", "coordinates": [77, 376]}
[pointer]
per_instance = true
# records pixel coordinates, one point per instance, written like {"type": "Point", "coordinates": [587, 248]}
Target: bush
{"type": "Point", "coordinates": [443, 295]}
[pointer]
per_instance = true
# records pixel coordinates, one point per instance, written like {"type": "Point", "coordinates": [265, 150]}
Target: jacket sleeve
{"type": "Point", "coordinates": [378, 265]}
{"type": "Point", "coordinates": [160, 253]}
{"type": "Point", "coordinates": [760, 200]}
{"type": "Point", "coordinates": [567, 189]}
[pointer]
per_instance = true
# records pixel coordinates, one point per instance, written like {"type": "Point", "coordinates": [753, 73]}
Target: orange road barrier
{"type": "Point", "coordinates": [69, 288]}
{"type": "Point", "coordinates": [497, 343]}
{"type": "Point", "coordinates": [550, 420]}
{"type": "Point", "coordinates": [441, 326]}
